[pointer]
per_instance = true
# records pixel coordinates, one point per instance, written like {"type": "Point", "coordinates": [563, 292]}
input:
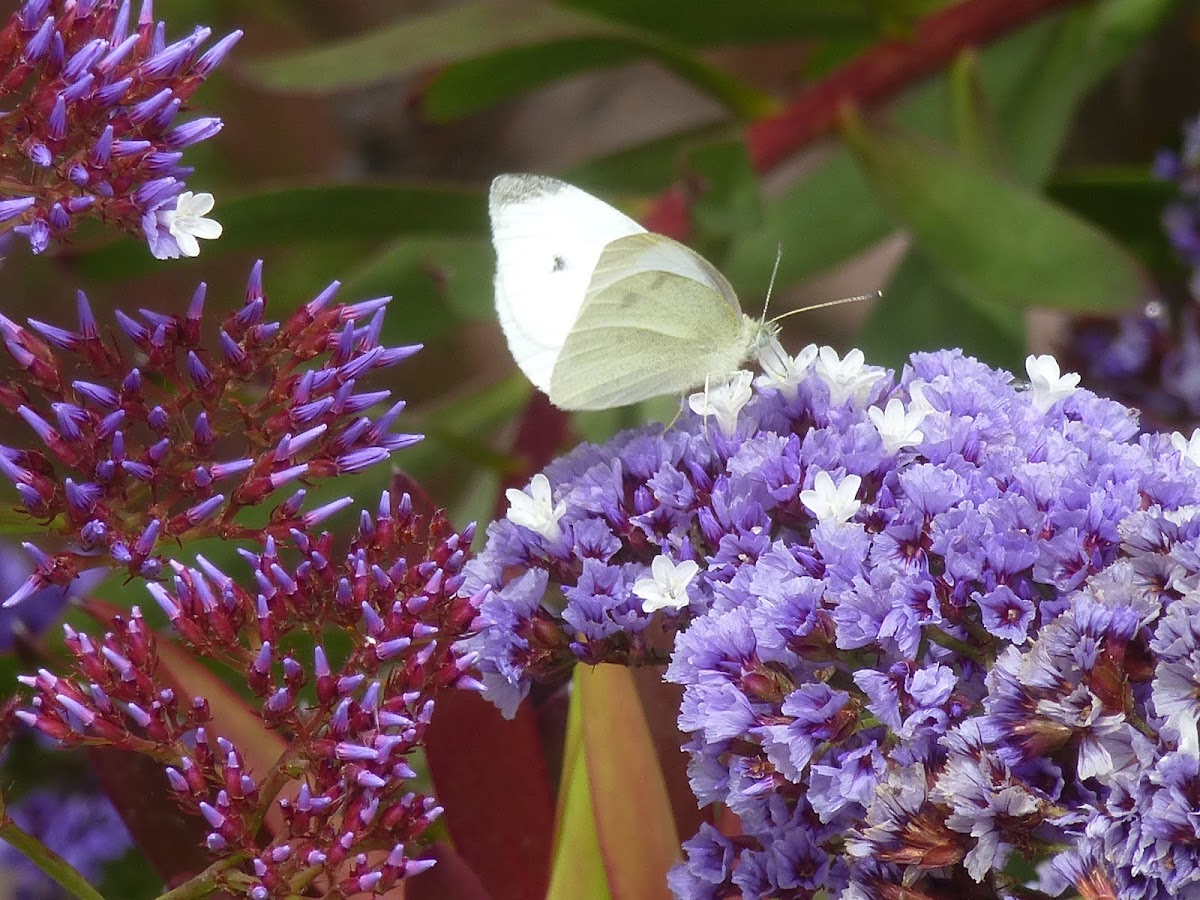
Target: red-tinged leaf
{"type": "Point", "coordinates": [661, 701]}
{"type": "Point", "coordinates": [634, 820]}
{"type": "Point", "coordinates": [450, 879]}
{"type": "Point", "coordinates": [578, 872]}
{"type": "Point", "coordinates": [403, 483]}
{"type": "Point", "coordinates": [490, 776]}
{"type": "Point", "coordinates": [172, 842]}
{"type": "Point", "coordinates": [231, 717]}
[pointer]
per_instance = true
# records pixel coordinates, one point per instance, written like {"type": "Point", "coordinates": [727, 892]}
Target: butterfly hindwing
{"type": "Point", "coordinates": [657, 319]}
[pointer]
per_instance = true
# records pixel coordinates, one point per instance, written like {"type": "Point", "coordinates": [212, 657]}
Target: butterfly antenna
{"type": "Point", "coordinates": [830, 303]}
{"type": "Point", "coordinates": [771, 283]}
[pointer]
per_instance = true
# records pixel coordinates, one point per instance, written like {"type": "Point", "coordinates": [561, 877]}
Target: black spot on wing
{"type": "Point", "coordinates": [560, 264]}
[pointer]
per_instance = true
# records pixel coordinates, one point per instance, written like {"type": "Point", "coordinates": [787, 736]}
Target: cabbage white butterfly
{"type": "Point", "coordinates": [599, 312]}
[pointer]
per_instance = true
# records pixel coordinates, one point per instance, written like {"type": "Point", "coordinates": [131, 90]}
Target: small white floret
{"type": "Point", "coordinates": [1046, 382]}
{"type": "Point", "coordinates": [1189, 448]}
{"type": "Point", "coordinates": [897, 426]}
{"type": "Point", "coordinates": [724, 401]}
{"type": "Point", "coordinates": [187, 221]}
{"type": "Point", "coordinates": [830, 502]}
{"type": "Point", "coordinates": [666, 588]}
{"type": "Point", "coordinates": [536, 510]}
{"type": "Point", "coordinates": [848, 378]}
{"type": "Point", "coordinates": [783, 371]}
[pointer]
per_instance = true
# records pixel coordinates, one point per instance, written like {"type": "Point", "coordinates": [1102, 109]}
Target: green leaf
{"type": "Point", "coordinates": [1128, 203]}
{"type": "Point", "coordinates": [487, 32]}
{"type": "Point", "coordinates": [819, 222]}
{"type": "Point", "coordinates": [730, 203]}
{"type": "Point", "coordinates": [472, 85]}
{"type": "Point", "coordinates": [413, 43]}
{"type": "Point", "coordinates": [646, 168]}
{"type": "Point", "coordinates": [311, 213]}
{"type": "Point", "coordinates": [976, 131]}
{"type": "Point", "coordinates": [635, 828]}
{"type": "Point", "coordinates": [436, 283]}
{"type": "Point", "coordinates": [577, 868]}
{"type": "Point", "coordinates": [719, 22]}
{"type": "Point", "coordinates": [991, 238]}
{"type": "Point", "coordinates": [918, 311]}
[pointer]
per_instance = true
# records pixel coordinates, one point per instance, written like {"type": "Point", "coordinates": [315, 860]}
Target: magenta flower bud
{"type": "Point", "coordinates": [58, 119]}
{"type": "Point", "coordinates": [145, 542]}
{"type": "Point", "coordinates": [198, 372]}
{"type": "Point", "coordinates": [358, 460]}
{"type": "Point", "coordinates": [192, 132]}
{"type": "Point", "coordinates": [121, 48]}
{"type": "Point", "coordinates": [10, 209]}
{"type": "Point", "coordinates": [76, 709]}
{"type": "Point", "coordinates": [77, 91]}
{"type": "Point", "coordinates": [107, 96]}
{"type": "Point", "coordinates": [204, 510]}
{"type": "Point", "coordinates": [214, 818]}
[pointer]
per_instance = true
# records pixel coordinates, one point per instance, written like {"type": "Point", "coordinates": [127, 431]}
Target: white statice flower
{"type": "Point", "coordinates": [666, 588]}
{"type": "Point", "coordinates": [918, 399]}
{"type": "Point", "coordinates": [187, 221]}
{"type": "Point", "coordinates": [1047, 383]}
{"type": "Point", "coordinates": [896, 426]}
{"type": "Point", "coordinates": [848, 378]}
{"type": "Point", "coordinates": [1189, 448]}
{"type": "Point", "coordinates": [725, 400]}
{"type": "Point", "coordinates": [832, 503]}
{"type": "Point", "coordinates": [782, 370]}
{"type": "Point", "coordinates": [536, 510]}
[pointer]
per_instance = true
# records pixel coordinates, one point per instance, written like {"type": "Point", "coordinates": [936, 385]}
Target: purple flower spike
{"type": "Point", "coordinates": [97, 106]}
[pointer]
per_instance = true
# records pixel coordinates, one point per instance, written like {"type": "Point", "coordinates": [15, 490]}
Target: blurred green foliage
{"type": "Point", "coordinates": [359, 146]}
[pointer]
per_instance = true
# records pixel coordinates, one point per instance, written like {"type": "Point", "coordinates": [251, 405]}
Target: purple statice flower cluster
{"type": "Point", "coordinates": [144, 435]}
{"type": "Point", "coordinates": [81, 827]}
{"type": "Point", "coordinates": [90, 98]}
{"type": "Point", "coordinates": [927, 626]}
{"type": "Point", "coordinates": [354, 823]}
{"type": "Point", "coordinates": [147, 436]}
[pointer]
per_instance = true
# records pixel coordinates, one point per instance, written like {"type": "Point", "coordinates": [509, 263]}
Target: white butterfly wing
{"type": "Point", "coordinates": [658, 319]}
{"type": "Point", "coordinates": [548, 237]}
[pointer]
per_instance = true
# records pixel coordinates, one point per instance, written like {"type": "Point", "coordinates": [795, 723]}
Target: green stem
{"type": "Point", "coordinates": [203, 883]}
{"type": "Point", "coordinates": [48, 861]}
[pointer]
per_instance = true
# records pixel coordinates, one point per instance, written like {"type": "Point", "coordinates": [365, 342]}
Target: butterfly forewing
{"type": "Point", "coordinates": [548, 237]}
